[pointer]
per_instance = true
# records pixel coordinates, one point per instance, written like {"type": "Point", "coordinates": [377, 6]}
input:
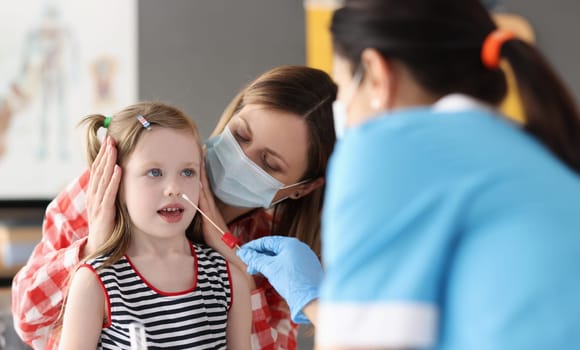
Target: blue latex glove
{"type": "Point", "coordinates": [290, 266]}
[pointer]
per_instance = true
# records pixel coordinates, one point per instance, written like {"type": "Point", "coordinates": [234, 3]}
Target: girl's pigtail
{"type": "Point", "coordinates": [93, 123]}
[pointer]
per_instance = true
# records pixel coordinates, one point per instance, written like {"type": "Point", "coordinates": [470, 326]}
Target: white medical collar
{"type": "Point", "coordinates": [459, 102]}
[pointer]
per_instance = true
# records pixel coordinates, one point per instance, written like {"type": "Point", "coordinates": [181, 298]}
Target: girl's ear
{"type": "Point", "coordinates": [306, 188]}
{"type": "Point", "coordinates": [379, 79]}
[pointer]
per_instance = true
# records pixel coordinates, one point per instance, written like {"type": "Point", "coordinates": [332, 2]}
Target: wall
{"type": "Point", "coordinates": [197, 54]}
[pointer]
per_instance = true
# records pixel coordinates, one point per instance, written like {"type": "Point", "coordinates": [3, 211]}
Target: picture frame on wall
{"type": "Point", "coordinates": [62, 60]}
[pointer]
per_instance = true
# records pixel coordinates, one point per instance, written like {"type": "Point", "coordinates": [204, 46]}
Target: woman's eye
{"type": "Point", "coordinates": [188, 172]}
{"type": "Point", "coordinates": [270, 164]}
{"type": "Point", "coordinates": [154, 172]}
{"type": "Point", "coordinates": [242, 135]}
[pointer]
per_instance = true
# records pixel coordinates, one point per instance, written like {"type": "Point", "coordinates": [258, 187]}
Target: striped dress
{"type": "Point", "coordinates": [192, 319]}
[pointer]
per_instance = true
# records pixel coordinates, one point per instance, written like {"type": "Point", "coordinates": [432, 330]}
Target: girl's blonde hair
{"type": "Point", "coordinates": [126, 131]}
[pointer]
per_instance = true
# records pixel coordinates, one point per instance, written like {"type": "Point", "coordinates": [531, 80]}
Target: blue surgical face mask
{"type": "Point", "coordinates": [235, 179]}
{"type": "Point", "coordinates": [340, 108]}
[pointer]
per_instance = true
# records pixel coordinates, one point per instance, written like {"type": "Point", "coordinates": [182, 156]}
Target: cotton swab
{"type": "Point", "coordinates": [229, 239]}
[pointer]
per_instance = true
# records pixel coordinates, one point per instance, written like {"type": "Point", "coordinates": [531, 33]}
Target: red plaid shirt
{"type": "Point", "coordinates": [38, 288]}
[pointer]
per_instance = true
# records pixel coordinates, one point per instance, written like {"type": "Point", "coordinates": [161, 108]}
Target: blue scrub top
{"type": "Point", "coordinates": [449, 230]}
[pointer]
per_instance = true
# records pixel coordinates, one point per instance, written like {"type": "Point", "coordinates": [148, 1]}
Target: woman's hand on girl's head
{"type": "Point", "coordinates": [104, 183]}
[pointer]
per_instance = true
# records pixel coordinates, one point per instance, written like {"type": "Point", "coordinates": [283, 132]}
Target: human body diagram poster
{"type": "Point", "coordinates": [60, 60]}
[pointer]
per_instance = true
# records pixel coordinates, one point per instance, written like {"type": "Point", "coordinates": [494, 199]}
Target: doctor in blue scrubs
{"type": "Point", "coordinates": [445, 226]}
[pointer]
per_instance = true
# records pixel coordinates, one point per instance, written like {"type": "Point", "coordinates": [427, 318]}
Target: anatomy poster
{"type": "Point", "coordinates": [60, 60]}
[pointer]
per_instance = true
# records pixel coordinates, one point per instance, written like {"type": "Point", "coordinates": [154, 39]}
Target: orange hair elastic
{"type": "Point", "coordinates": [490, 51]}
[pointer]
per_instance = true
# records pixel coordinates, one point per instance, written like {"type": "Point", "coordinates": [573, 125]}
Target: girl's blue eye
{"type": "Point", "coordinates": [188, 172]}
{"type": "Point", "coordinates": [154, 172]}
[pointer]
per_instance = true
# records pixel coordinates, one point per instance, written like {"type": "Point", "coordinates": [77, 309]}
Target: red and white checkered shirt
{"type": "Point", "coordinates": [38, 288]}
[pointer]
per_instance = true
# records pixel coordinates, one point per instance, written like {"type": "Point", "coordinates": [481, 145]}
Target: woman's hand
{"type": "Point", "coordinates": [104, 182]}
{"type": "Point", "coordinates": [211, 235]}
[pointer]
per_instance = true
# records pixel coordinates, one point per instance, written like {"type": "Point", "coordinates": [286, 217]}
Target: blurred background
{"type": "Point", "coordinates": [60, 58]}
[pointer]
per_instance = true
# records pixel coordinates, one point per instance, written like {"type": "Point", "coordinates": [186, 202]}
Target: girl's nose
{"type": "Point", "coordinates": [172, 190]}
{"type": "Point", "coordinates": [172, 193]}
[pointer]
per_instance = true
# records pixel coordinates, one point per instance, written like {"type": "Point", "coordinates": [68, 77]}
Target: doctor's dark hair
{"type": "Point", "coordinates": [440, 43]}
{"type": "Point", "coordinates": [308, 93]}
{"type": "Point", "coordinates": [126, 130]}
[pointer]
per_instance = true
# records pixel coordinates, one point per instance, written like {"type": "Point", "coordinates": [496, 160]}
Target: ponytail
{"type": "Point", "coordinates": [551, 112]}
{"type": "Point", "coordinates": [93, 123]}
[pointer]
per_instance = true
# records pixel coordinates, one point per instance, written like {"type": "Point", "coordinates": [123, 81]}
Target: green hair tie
{"type": "Point", "coordinates": [107, 122]}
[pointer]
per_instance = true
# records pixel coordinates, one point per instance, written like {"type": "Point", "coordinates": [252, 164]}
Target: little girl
{"type": "Point", "coordinates": [185, 295]}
